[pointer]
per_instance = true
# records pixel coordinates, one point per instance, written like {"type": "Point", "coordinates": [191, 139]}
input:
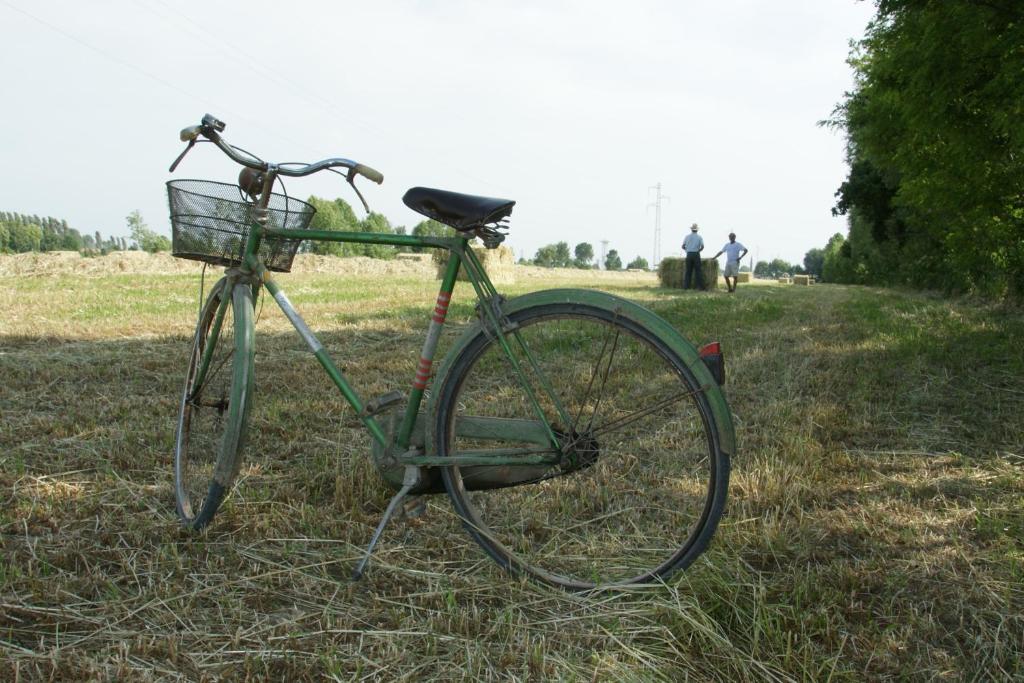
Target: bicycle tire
{"type": "Point", "coordinates": [212, 418]}
{"type": "Point", "coordinates": [596, 525]}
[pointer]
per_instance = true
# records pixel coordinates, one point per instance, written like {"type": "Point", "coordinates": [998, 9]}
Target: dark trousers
{"type": "Point", "coordinates": [693, 265]}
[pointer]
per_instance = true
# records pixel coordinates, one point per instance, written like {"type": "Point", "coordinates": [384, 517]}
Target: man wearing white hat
{"type": "Point", "coordinates": [693, 245]}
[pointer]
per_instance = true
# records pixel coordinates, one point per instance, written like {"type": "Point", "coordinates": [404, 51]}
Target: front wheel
{"type": "Point", "coordinates": [215, 404]}
{"type": "Point", "coordinates": [640, 482]}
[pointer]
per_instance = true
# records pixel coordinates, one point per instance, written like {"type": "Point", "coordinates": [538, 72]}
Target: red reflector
{"type": "Point", "coordinates": [711, 349]}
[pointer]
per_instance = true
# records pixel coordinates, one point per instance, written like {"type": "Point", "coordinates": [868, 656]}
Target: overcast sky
{"type": "Point", "coordinates": [573, 109]}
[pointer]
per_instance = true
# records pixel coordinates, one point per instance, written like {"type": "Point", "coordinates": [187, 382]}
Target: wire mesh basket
{"type": "Point", "coordinates": [210, 222]}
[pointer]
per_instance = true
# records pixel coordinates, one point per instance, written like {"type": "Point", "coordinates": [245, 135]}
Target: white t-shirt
{"type": "Point", "coordinates": [732, 251]}
{"type": "Point", "coordinates": [693, 242]}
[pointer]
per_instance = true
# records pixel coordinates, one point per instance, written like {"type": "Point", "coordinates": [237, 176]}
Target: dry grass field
{"type": "Point", "coordinates": [875, 527]}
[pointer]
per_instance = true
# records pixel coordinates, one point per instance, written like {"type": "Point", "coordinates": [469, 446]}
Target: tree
{"type": "Point", "coordinates": [772, 269]}
{"type": "Point", "coordinates": [430, 228]}
{"type": "Point", "coordinates": [334, 214]}
{"type": "Point", "coordinates": [837, 264]}
{"type": "Point", "coordinates": [814, 259]}
{"type": "Point", "coordinates": [584, 253]}
{"type": "Point", "coordinates": [144, 238]}
{"type": "Point", "coordinates": [377, 223]}
{"type": "Point", "coordinates": [936, 149]}
{"type": "Point", "coordinates": [545, 256]}
{"type": "Point", "coordinates": [24, 237]}
{"type": "Point", "coordinates": [553, 256]}
{"type": "Point", "coordinates": [639, 263]}
{"type": "Point", "coordinates": [612, 260]}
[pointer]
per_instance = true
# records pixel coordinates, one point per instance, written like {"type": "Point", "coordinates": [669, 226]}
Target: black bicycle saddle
{"type": "Point", "coordinates": [460, 211]}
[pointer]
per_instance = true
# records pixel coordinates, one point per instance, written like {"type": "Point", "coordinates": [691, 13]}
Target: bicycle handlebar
{"type": "Point", "coordinates": [210, 129]}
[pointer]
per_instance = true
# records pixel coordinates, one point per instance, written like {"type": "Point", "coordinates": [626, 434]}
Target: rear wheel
{"type": "Point", "coordinates": [215, 404]}
{"type": "Point", "coordinates": [641, 481]}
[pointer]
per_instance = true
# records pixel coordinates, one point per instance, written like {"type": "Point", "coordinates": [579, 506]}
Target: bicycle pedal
{"type": "Point", "coordinates": [382, 403]}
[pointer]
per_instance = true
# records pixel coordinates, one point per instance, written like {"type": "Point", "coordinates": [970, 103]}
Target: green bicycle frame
{"type": "Point", "coordinates": [544, 447]}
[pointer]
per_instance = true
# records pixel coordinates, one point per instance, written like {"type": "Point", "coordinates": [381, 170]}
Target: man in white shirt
{"type": "Point", "coordinates": [692, 246]}
{"type": "Point", "coordinates": [733, 251]}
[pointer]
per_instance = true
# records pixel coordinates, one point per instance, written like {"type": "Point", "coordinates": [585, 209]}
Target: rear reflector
{"type": "Point", "coordinates": [712, 356]}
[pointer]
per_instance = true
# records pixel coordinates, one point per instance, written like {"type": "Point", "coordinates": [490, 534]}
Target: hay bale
{"type": "Point", "coordinates": [783, 280]}
{"type": "Point", "coordinates": [801, 280]}
{"type": "Point", "coordinates": [672, 271]}
{"type": "Point", "coordinates": [499, 263]}
{"type": "Point", "coordinates": [743, 277]}
{"type": "Point", "coordinates": [415, 258]}
{"type": "Point", "coordinates": [709, 269]}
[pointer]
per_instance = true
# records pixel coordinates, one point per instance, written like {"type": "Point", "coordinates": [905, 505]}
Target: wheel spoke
{"type": "Point", "coordinates": [633, 497]}
{"type": "Point", "coordinates": [210, 427]}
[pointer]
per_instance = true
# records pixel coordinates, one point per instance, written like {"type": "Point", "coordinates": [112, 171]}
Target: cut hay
{"type": "Point", "coordinates": [672, 272]}
{"type": "Point", "coordinates": [743, 277]}
{"type": "Point", "coordinates": [415, 258]}
{"type": "Point", "coordinates": [783, 281]}
{"type": "Point", "coordinates": [142, 263]}
{"type": "Point", "coordinates": [801, 280]}
{"type": "Point", "coordinates": [499, 263]}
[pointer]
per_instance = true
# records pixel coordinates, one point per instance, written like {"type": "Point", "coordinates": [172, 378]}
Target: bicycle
{"type": "Point", "coordinates": [582, 440]}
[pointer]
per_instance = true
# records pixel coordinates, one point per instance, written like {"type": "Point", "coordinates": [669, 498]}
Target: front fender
{"type": "Point", "coordinates": [623, 308]}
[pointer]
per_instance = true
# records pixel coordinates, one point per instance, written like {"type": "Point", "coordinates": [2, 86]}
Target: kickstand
{"type": "Point", "coordinates": [411, 479]}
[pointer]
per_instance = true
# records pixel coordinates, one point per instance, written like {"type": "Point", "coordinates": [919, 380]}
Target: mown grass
{"type": "Point", "coordinates": [875, 527]}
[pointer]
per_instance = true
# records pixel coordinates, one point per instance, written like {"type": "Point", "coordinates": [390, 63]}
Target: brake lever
{"type": "Point", "coordinates": [188, 147]}
{"type": "Point", "coordinates": [351, 178]}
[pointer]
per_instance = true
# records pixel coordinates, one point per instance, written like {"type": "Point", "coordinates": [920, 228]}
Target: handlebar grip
{"type": "Point", "coordinates": [191, 133]}
{"type": "Point", "coordinates": [369, 173]}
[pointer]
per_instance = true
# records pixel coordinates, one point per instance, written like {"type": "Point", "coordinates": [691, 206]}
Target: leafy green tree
{"type": "Point", "coordinates": [333, 214]}
{"type": "Point", "coordinates": [814, 259]}
{"type": "Point", "coordinates": [936, 149]}
{"type": "Point", "coordinates": [378, 223]}
{"type": "Point", "coordinates": [5, 237]}
{"type": "Point", "coordinates": [584, 253]}
{"type": "Point", "coordinates": [545, 256]}
{"type": "Point", "coordinates": [639, 263]}
{"type": "Point", "coordinates": [430, 228]}
{"type": "Point", "coordinates": [24, 237]}
{"type": "Point", "coordinates": [774, 268]}
{"type": "Point", "coordinates": [837, 265]}
{"type": "Point", "coordinates": [51, 240]}
{"type": "Point", "coordinates": [612, 261]}
{"type": "Point", "coordinates": [553, 256]}
{"type": "Point", "coordinates": [144, 238]}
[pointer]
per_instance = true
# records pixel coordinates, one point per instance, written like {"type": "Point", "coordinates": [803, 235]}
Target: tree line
{"type": "Point", "coordinates": [557, 256]}
{"type": "Point", "coordinates": [21, 233]}
{"type": "Point", "coordinates": [934, 196]}
{"type": "Point", "coordinates": [337, 214]}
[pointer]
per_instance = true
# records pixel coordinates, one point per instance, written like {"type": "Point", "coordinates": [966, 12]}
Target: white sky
{"type": "Point", "coordinates": [573, 109]}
